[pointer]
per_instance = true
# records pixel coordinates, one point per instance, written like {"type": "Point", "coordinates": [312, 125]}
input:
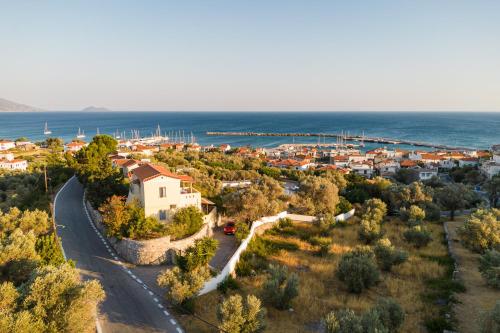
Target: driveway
{"type": "Point", "coordinates": [130, 304]}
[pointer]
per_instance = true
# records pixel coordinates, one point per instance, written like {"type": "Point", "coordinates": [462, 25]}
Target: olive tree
{"type": "Point", "coordinates": [182, 285]}
{"type": "Point", "coordinates": [489, 266]}
{"type": "Point", "coordinates": [481, 231]}
{"type": "Point", "coordinates": [358, 269]}
{"type": "Point", "coordinates": [238, 316]}
{"type": "Point", "coordinates": [388, 256]}
{"type": "Point", "coordinates": [281, 287]}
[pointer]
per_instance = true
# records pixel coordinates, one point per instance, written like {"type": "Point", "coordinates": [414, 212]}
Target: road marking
{"type": "Point", "coordinates": [179, 329]}
{"type": "Point", "coordinates": [151, 293]}
{"type": "Point", "coordinates": [133, 276]}
{"type": "Point", "coordinates": [139, 281]}
{"type": "Point", "coordinates": [155, 299]}
{"type": "Point", "coordinates": [166, 313]}
{"type": "Point", "coordinates": [144, 287]}
{"type": "Point", "coordinates": [173, 321]}
{"type": "Point", "coordinates": [160, 306]}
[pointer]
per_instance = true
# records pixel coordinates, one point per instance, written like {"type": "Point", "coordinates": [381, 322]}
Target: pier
{"type": "Point", "coordinates": [358, 138]}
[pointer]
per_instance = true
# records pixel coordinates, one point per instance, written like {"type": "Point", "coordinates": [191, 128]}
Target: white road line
{"type": "Point", "coordinates": [178, 329]}
{"type": "Point", "coordinates": [173, 321]}
{"type": "Point", "coordinates": [166, 313]}
{"type": "Point", "coordinates": [139, 281]}
{"type": "Point", "coordinates": [151, 293]}
{"type": "Point", "coordinates": [155, 299]}
{"type": "Point", "coordinates": [133, 276]}
{"type": "Point", "coordinates": [160, 306]}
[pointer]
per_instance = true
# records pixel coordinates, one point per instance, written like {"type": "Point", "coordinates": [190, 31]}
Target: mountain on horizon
{"type": "Point", "coordinates": [94, 109]}
{"type": "Point", "coordinates": [6, 105]}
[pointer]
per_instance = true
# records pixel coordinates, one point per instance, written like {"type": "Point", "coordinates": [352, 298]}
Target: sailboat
{"type": "Point", "coordinates": [81, 134]}
{"type": "Point", "coordinates": [46, 130]}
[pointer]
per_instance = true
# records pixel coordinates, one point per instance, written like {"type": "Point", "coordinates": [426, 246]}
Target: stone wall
{"type": "Point", "coordinates": [153, 251]}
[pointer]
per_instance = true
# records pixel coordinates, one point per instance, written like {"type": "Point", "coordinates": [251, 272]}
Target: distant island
{"type": "Point", "coordinates": [95, 109]}
{"type": "Point", "coordinates": [9, 106]}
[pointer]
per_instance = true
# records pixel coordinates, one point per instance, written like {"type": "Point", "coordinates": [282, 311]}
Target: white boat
{"type": "Point", "coordinates": [46, 130]}
{"type": "Point", "coordinates": [81, 134]}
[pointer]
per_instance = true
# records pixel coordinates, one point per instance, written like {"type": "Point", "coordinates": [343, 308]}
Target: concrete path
{"type": "Point", "coordinates": [130, 305]}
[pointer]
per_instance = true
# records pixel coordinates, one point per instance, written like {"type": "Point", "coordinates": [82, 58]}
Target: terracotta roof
{"type": "Point", "coordinates": [407, 163]}
{"type": "Point", "coordinates": [205, 201]}
{"type": "Point", "coordinates": [130, 163]}
{"type": "Point", "coordinates": [120, 162]}
{"type": "Point", "coordinates": [75, 144]}
{"type": "Point", "coordinates": [149, 171]}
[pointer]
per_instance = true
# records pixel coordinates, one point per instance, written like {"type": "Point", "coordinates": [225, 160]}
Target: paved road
{"type": "Point", "coordinates": [129, 306]}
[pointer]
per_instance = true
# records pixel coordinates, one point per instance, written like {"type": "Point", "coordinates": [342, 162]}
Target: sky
{"type": "Point", "coordinates": [252, 55]}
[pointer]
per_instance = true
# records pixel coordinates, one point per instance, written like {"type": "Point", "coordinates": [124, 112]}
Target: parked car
{"type": "Point", "coordinates": [230, 228]}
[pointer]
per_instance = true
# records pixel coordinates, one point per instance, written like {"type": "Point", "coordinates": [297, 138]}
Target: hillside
{"type": "Point", "coordinates": [94, 109]}
{"type": "Point", "coordinates": [6, 105]}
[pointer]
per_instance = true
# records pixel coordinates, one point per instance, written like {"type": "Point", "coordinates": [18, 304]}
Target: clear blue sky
{"type": "Point", "coordinates": [252, 55]}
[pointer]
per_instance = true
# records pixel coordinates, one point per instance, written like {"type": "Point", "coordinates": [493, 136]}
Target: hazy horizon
{"type": "Point", "coordinates": [252, 56]}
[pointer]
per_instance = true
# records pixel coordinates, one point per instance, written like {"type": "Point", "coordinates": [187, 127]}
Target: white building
{"type": "Point", "coordinates": [363, 169]}
{"type": "Point", "coordinates": [74, 146]}
{"type": "Point", "coordinates": [7, 144]}
{"type": "Point", "coordinates": [14, 164]}
{"type": "Point", "coordinates": [492, 167]}
{"type": "Point", "coordinates": [426, 174]}
{"type": "Point", "coordinates": [161, 192]}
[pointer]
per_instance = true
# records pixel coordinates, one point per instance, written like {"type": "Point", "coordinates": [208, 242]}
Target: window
{"type": "Point", "coordinates": [163, 214]}
{"type": "Point", "coordinates": [173, 206]}
{"type": "Point", "coordinates": [163, 192]}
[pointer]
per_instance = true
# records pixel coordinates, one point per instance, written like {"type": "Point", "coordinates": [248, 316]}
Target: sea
{"type": "Point", "coordinates": [464, 129]}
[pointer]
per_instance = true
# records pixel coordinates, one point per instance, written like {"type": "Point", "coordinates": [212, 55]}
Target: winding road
{"type": "Point", "coordinates": [130, 305]}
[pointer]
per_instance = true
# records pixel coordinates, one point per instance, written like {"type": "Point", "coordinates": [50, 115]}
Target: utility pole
{"type": "Point", "coordinates": [45, 176]}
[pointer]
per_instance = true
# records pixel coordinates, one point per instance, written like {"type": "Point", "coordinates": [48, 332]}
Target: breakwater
{"type": "Point", "coordinates": [357, 138]}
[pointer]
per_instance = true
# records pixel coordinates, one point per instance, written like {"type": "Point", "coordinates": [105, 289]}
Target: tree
{"type": "Point", "coordinates": [374, 209]}
{"type": "Point", "coordinates": [27, 220]}
{"type": "Point", "coordinates": [236, 316]}
{"type": "Point", "coordinates": [481, 231]}
{"type": "Point", "coordinates": [390, 313]}
{"type": "Point", "coordinates": [407, 176]}
{"type": "Point", "coordinates": [418, 236]}
{"type": "Point", "coordinates": [186, 221]}
{"type": "Point", "coordinates": [492, 186]}
{"type": "Point", "coordinates": [415, 215]}
{"type": "Point", "coordinates": [281, 287]}
{"type": "Point", "coordinates": [48, 249]}
{"type": "Point", "coordinates": [489, 266]}
{"type": "Point", "coordinates": [491, 320]}
{"type": "Point", "coordinates": [369, 230]}
{"type": "Point", "coordinates": [182, 285]}
{"type": "Point", "coordinates": [343, 321]}
{"type": "Point", "coordinates": [358, 269]}
{"type": "Point", "coordinates": [453, 197]}
{"type": "Point", "coordinates": [115, 216]}
{"type": "Point", "coordinates": [18, 257]}
{"type": "Point", "coordinates": [242, 230]}
{"type": "Point", "coordinates": [197, 255]}
{"type": "Point", "coordinates": [388, 256]}
{"type": "Point", "coordinates": [317, 196]}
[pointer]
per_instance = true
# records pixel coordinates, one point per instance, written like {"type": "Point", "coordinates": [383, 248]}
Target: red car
{"type": "Point", "coordinates": [230, 228]}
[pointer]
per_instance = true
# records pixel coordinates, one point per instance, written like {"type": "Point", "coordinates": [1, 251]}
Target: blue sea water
{"type": "Point", "coordinates": [472, 129]}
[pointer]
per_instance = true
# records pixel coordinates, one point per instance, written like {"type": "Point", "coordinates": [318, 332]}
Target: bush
{"type": "Point", "coordinates": [198, 254]}
{"type": "Point", "coordinates": [48, 249]}
{"type": "Point", "coordinates": [228, 283]}
{"type": "Point", "coordinates": [323, 243]}
{"type": "Point", "coordinates": [386, 316]}
{"type": "Point", "coordinates": [242, 231]}
{"type": "Point", "coordinates": [343, 206]}
{"type": "Point", "coordinates": [489, 266]}
{"type": "Point", "coordinates": [181, 285]}
{"type": "Point", "coordinates": [285, 223]}
{"type": "Point", "coordinates": [387, 255]}
{"type": "Point", "coordinates": [281, 287]}
{"type": "Point", "coordinates": [236, 316]}
{"type": "Point", "coordinates": [481, 231]}
{"type": "Point", "coordinates": [186, 222]}
{"type": "Point", "coordinates": [418, 236]}
{"type": "Point", "coordinates": [358, 269]}
{"type": "Point", "coordinates": [370, 230]}
{"type": "Point", "coordinates": [343, 321]}
{"type": "Point", "coordinates": [415, 215]}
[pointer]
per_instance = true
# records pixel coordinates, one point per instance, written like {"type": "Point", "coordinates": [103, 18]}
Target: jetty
{"type": "Point", "coordinates": [357, 138]}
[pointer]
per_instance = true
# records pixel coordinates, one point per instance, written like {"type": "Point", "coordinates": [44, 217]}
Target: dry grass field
{"type": "Point", "coordinates": [416, 284]}
{"type": "Point", "coordinates": [479, 297]}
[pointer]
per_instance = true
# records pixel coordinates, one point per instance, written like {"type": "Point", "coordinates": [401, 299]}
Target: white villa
{"type": "Point", "coordinates": [160, 191]}
{"type": "Point", "coordinates": [13, 164]}
{"type": "Point", "coordinates": [7, 144]}
{"type": "Point", "coordinates": [492, 167]}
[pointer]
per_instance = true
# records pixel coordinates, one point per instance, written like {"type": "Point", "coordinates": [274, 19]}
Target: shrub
{"type": "Point", "coordinates": [387, 255]}
{"type": "Point", "coordinates": [323, 243]}
{"type": "Point", "coordinates": [343, 206]}
{"type": "Point", "coordinates": [489, 266]}
{"type": "Point", "coordinates": [324, 222]}
{"type": "Point", "coordinates": [182, 285]}
{"type": "Point", "coordinates": [228, 283]}
{"type": "Point", "coordinates": [285, 223]}
{"type": "Point", "coordinates": [343, 321]}
{"type": "Point", "coordinates": [281, 287]}
{"type": "Point", "coordinates": [481, 231]}
{"type": "Point", "coordinates": [48, 249]}
{"type": "Point", "coordinates": [390, 313]}
{"type": "Point", "coordinates": [418, 236]}
{"type": "Point", "coordinates": [198, 254]}
{"type": "Point", "coordinates": [491, 320]}
{"type": "Point", "coordinates": [236, 316]}
{"type": "Point", "coordinates": [242, 231]}
{"type": "Point", "coordinates": [370, 230]}
{"type": "Point", "coordinates": [374, 209]}
{"type": "Point", "coordinates": [186, 221]}
{"type": "Point", "coordinates": [358, 269]}
{"type": "Point", "coordinates": [415, 215]}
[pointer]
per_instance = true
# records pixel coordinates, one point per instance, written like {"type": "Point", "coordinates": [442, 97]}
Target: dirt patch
{"type": "Point", "coordinates": [479, 297]}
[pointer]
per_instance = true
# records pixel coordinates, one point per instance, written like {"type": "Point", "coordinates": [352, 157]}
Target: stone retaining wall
{"type": "Point", "coordinates": [153, 251]}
